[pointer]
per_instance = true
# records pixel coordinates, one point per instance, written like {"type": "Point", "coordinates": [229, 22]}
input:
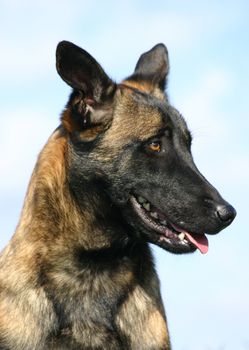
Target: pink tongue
{"type": "Point", "coordinates": [200, 241]}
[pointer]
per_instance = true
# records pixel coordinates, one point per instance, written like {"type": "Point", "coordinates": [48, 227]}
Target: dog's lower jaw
{"type": "Point", "coordinates": [161, 232]}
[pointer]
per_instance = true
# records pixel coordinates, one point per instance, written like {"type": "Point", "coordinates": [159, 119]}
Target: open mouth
{"type": "Point", "coordinates": [168, 233]}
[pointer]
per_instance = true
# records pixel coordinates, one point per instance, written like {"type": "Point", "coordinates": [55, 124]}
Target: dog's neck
{"type": "Point", "coordinates": [52, 210]}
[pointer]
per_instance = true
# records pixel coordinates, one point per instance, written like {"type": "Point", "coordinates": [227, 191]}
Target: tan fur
{"type": "Point", "coordinates": [67, 120]}
{"type": "Point", "coordinates": [52, 296]}
{"type": "Point", "coordinates": [31, 317]}
{"type": "Point", "coordinates": [36, 246]}
{"type": "Point", "coordinates": [144, 86]}
{"type": "Point", "coordinates": [151, 328]}
{"type": "Point", "coordinates": [129, 123]}
{"type": "Point", "coordinates": [78, 274]}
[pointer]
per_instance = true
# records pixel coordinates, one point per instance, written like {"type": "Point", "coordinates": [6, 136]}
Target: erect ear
{"type": "Point", "coordinates": [89, 106]}
{"type": "Point", "coordinates": [152, 67]}
{"type": "Point", "coordinates": [82, 72]}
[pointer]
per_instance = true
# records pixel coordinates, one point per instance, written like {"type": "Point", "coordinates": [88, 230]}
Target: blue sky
{"type": "Point", "coordinates": [206, 297]}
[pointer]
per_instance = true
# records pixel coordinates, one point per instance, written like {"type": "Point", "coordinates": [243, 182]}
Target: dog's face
{"type": "Point", "coordinates": [138, 146]}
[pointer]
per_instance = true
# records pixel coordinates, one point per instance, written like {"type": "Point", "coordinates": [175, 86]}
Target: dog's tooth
{"type": "Point", "coordinates": [154, 215]}
{"type": "Point", "coordinates": [146, 206]}
{"type": "Point", "coordinates": [181, 236]}
{"type": "Point", "coordinates": [141, 199]}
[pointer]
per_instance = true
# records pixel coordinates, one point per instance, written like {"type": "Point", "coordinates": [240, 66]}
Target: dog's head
{"type": "Point", "coordinates": [131, 140]}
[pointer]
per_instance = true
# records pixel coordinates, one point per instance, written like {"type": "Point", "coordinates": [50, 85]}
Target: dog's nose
{"type": "Point", "coordinates": [226, 213]}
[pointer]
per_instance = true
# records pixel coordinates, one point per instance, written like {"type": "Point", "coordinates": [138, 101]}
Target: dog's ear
{"type": "Point", "coordinates": [82, 72]}
{"type": "Point", "coordinates": [152, 68]}
{"type": "Point", "coordinates": [153, 65]}
{"type": "Point", "coordinates": [93, 89]}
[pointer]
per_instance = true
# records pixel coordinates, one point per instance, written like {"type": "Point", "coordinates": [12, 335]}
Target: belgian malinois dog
{"type": "Point", "coordinates": [116, 175]}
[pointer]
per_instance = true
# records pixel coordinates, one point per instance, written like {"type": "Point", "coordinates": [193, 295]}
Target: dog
{"type": "Point", "coordinates": [116, 175]}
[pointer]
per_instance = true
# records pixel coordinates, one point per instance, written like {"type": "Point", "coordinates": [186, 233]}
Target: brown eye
{"type": "Point", "coordinates": [155, 146]}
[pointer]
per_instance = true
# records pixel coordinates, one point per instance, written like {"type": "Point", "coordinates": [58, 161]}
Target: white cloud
{"type": "Point", "coordinates": [25, 132]}
{"type": "Point", "coordinates": [29, 34]}
{"type": "Point", "coordinates": [30, 31]}
{"type": "Point", "coordinates": [180, 31]}
{"type": "Point", "coordinates": [116, 33]}
{"type": "Point", "coordinates": [213, 128]}
{"type": "Point", "coordinates": [201, 103]}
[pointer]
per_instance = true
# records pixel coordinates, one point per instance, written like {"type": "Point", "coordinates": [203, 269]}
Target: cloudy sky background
{"type": "Point", "coordinates": [206, 297]}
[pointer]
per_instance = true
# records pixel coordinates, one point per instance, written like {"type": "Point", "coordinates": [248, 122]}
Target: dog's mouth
{"type": "Point", "coordinates": [168, 234]}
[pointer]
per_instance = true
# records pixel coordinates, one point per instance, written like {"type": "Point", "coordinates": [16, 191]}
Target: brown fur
{"type": "Point", "coordinates": [56, 291]}
{"type": "Point", "coordinates": [126, 115]}
{"type": "Point", "coordinates": [78, 274]}
{"type": "Point", "coordinates": [38, 262]}
{"type": "Point", "coordinates": [144, 86]}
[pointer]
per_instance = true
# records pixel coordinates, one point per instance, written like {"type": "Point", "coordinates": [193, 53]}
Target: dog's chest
{"type": "Point", "coordinates": [87, 303]}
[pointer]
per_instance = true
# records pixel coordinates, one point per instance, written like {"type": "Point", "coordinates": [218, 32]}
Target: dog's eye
{"type": "Point", "coordinates": [155, 146]}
